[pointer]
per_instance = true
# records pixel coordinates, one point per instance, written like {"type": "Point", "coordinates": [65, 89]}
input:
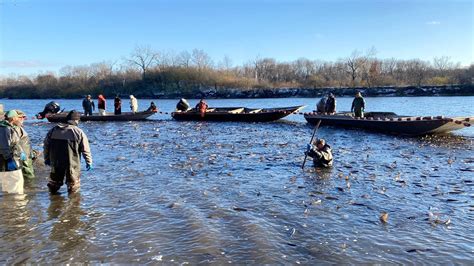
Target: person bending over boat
{"type": "Point", "coordinates": [152, 108]}
{"type": "Point", "coordinates": [331, 104]}
{"type": "Point", "coordinates": [117, 105]}
{"type": "Point", "coordinates": [101, 104]}
{"type": "Point", "coordinates": [88, 105]}
{"type": "Point", "coordinates": [182, 105]}
{"type": "Point", "coordinates": [50, 108]}
{"type": "Point", "coordinates": [321, 106]}
{"type": "Point", "coordinates": [358, 105]}
{"type": "Point", "coordinates": [202, 107]}
{"type": "Point", "coordinates": [63, 146]}
{"type": "Point", "coordinates": [320, 152]}
{"type": "Point", "coordinates": [133, 104]}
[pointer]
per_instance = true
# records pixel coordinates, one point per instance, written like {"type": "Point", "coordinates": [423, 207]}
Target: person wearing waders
{"type": "Point", "coordinates": [63, 146]}
{"type": "Point", "coordinates": [27, 164]}
{"type": "Point", "coordinates": [11, 153]}
{"type": "Point", "coordinates": [320, 152]}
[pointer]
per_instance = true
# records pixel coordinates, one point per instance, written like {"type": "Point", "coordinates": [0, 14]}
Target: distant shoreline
{"type": "Point", "coordinates": [256, 93]}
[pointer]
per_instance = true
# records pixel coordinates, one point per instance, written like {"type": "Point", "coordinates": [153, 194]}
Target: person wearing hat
{"type": "Point", "coordinates": [63, 146]}
{"type": "Point", "coordinates": [11, 153]}
{"type": "Point", "coordinates": [358, 105]}
{"type": "Point", "coordinates": [321, 153]}
{"type": "Point", "coordinates": [88, 105]}
{"type": "Point", "coordinates": [26, 165]}
{"type": "Point", "coordinates": [133, 104]}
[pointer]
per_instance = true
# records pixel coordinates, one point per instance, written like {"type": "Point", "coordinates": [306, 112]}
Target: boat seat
{"type": "Point", "coordinates": [255, 111]}
{"type": "Point", "coordinates": [236, 111]}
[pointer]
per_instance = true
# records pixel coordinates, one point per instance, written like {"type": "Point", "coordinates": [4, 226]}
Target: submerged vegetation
{"type": "Point", "coordinates": [147, 73]}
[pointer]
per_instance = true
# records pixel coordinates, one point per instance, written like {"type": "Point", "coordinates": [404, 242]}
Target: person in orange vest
{"type": "Point", "coordinates": [202, 107]}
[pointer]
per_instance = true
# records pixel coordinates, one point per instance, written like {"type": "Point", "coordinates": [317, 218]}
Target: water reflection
{"type": "Point", "coordinates": [68, 226]}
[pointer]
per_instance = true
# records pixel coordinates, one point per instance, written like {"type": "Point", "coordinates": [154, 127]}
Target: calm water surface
{"type": "Point", "coordinates": [194, 192]}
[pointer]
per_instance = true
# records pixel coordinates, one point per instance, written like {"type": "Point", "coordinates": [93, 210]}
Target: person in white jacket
{"type": "Point", "coordinates": [133, 104]}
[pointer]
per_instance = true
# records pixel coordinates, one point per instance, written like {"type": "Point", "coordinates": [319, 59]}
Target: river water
{"type": "Point", "coordinates": [200, 192]}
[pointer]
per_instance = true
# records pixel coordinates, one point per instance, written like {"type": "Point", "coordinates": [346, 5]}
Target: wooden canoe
{"type": "Point", "coordinates": [237, 114]}
{"type": "Point", "coordinates": [126, 116]}
{"type": "Point", "coordinates": [392, 123]}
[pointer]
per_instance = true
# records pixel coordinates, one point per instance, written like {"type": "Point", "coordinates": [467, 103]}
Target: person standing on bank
{"type": "Point", "coordinates": [101, 104]}
{"type": "Point", "coordinates": [63, 147]}
{"type": "Point", "coordinates": [117, 105]}
{"type": "Point", "coordinates": [88, 105]}
{"type": "Point", "coordinates": [358, 105]}
{"type": "Point", "coordinates": [331, 104]}
{"type": "Point", "coordinates": [133, 104]}
{"type": "Point", "coordinates": [27, 164]}
{"type": "Point", "coordinates": [320, 152]}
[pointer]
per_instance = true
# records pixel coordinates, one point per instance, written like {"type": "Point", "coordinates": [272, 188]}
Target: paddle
{"type": "Point", "coordinates": [311, 141]}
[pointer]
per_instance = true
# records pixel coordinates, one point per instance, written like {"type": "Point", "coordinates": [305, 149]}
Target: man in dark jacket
{"type": "Point", "coordinates": [358, 105]}
{"type": "Point", "coordinates": [331, 104]}
{"type": "Point", "coordinates": [88, 105]}
{"type": "Point", "coordinates": [117, 105]}
{"type": "Point", "coordinates": [63, 147]}
{"type": "Point", "coordinates": [320, 152]}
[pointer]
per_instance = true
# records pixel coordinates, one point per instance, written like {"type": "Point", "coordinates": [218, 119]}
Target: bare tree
{"type": "Point", "coordinates": [143, 57]}
{"type": "Point", "coordinates": [184, 59]}
{"type": "Point", "coordinates": [201, 59]}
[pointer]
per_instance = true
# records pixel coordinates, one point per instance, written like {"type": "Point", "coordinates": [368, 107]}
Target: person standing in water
{"type": "Point", "coordinates": [63, 146]}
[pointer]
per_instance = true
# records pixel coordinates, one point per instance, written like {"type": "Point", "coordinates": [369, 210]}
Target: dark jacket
{"type": "Point", "coordinates": [331, 105]}
{"type": "Point", "coordinates": [182, 106]}
{"type": "Point", "coordinates": [321, 158]}
{"type": "Point", "coordinates": [358, 104]}
{"type": "Point", "coordinates": [64, 145]}
{"type": "Point", "coordinates": [88, 105]}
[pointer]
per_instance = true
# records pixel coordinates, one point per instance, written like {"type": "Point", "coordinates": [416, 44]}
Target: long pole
{"type": "Point", "coordinates": [311, 141]}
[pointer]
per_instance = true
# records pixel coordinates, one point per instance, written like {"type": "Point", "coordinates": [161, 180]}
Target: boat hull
{"type": "Point", "coordinates": [128, 116]}
{"type": "Point", "coordinates": [247, 115]}
{"type": "Point", "coordinates": [392, 124]}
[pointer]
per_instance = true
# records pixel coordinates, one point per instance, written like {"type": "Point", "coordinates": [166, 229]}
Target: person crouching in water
{"type": "Point", "coordinates": [320, 152]}
{"type": "Point", "coordinates": [63, 147]}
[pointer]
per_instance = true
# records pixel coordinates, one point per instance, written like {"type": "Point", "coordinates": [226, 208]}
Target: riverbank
{"type": "Point", "coordinates": [224, 93]}
{"type": "Point", "coordinates": [217, 92]}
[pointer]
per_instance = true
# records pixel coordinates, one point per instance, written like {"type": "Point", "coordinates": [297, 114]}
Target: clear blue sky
{"type": "Point", "coordinates": [47, 35]}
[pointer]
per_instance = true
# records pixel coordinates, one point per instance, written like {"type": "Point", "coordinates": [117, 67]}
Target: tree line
{"type": "Point", "coordinates": [148, 73]}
